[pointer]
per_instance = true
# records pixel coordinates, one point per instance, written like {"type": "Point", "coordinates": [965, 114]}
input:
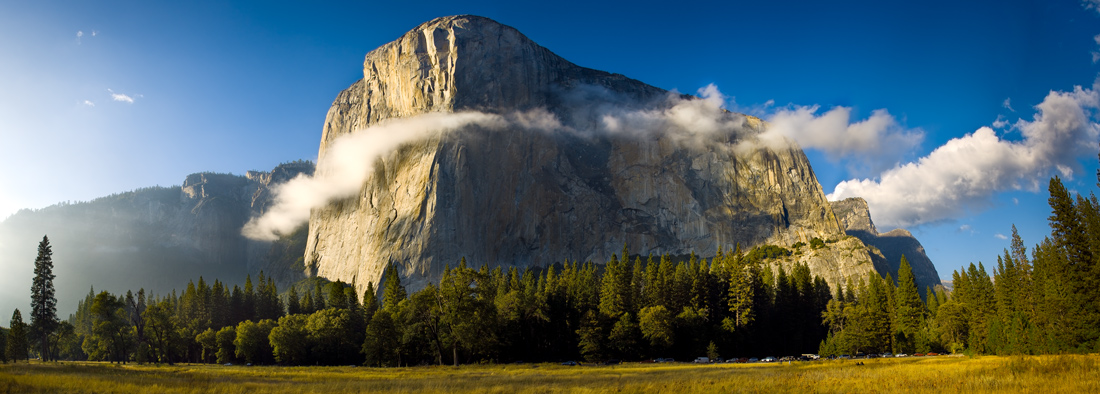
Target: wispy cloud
{"type": "Point", "coordinates": [1008, 104]}
{"type": "Point", "coordinates": [347, 163]}
{"type": "Point", "coordinates": [1000, 236]}
{"type": "Point", "coordinates": [89, 103]}
{"type": "Point", "coordinates": [121, 97]}
{"type": "Point", "coordinates": [1091, 5]}
{"type": "Point", "coordinates": [79, 36]}
{"type": "Point", "coordinates": [964, 173]}
{"type": "Point", "coordinates": [1096, 53]}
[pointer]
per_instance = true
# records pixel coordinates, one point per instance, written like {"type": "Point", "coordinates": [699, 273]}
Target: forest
{"type": "Point", "coordinates": [632, 307]}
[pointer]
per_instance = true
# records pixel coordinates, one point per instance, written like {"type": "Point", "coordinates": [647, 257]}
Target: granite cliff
{"type": "Point", "coordinates": [515, 197]}
{"type": "Point", "coordinates": [855, 217]}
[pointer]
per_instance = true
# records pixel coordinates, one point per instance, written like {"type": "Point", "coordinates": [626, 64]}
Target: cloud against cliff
{"type": "Point", "coordinates": [347, 164]}
{"type": "Point", "coordinates": [965, 172]}
{"type": "Point", "coordinates": [679, 118]}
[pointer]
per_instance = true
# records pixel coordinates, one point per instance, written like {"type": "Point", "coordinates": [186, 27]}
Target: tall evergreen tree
{"type": "Point", "coordinates": [3, 346]}
{"type": "Point", "coordinates": [17, 338]}
{"type": "Point", "coordinates": [43, 302]}
{"type": "Point", "coordinates": [293, 305]}
{"type": "Point", "coordinates": [394, 292]}
{"type": "Point", "coordinates": [909, 309]}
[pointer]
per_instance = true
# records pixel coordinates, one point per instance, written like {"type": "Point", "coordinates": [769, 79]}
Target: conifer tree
{"type": "Point", "coordinates": [43, 302]}
{"type": "Point", "coordinates": [17, 338]}
{"type": "Point", "coordinates": [293, 304]}
{"type": "Point", "coordinates": [909, 309]}
{"type": "Point", "coordinates": [3, 346]}
{"type": "Point", "coordinates": [394, 292]}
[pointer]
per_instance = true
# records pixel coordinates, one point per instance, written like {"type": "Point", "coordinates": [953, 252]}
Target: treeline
{"type": "Point", "coordinates": [734, 304]}
{"type": "Point", "coordinates": [1048, 302]}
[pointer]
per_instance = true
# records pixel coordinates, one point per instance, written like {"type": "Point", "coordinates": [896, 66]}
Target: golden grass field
{"type": "Point", "coordinates": [1062, 374]}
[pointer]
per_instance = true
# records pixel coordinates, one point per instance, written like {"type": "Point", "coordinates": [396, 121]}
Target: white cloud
{"type": "Point", "coordinates": [89, 103]}
{"type": "Point", "coordinates": [1008, 104]}
{"type": "Point", "coordinates": [94, 33]}
{"type": "Point", "coordinates": [1000, 236]}
{"type": "Point", "coordinates": [79, 33]}
{"type": "Point", "coordinates": [877, 141]}
{"type": "Point", "coordinates": [1096, 54]}
{"type": "Point", "coordinates": [1000, 123]}
{"type": "Point", "coordinates": [964, 173]}
{"type": "Point", "coordinates": [121, 97]}
{"type": "Point", "coordinates": [1091, 5]}
{"type": "Point", "coordinates": [347, 163]}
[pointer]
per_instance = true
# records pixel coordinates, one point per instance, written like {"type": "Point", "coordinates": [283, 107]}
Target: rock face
{"type": "Point", "coordinates": [157, 238]}
{"type": "Point", "coordinates": [856, 219]}
{"type": "Point", "coordinates": [514, 197]}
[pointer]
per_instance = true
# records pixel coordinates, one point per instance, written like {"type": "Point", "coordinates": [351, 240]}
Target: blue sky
{"type": "Point", "coordinates": [107, 96]}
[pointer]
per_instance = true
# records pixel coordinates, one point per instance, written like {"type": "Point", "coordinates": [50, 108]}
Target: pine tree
{"type": "Point", "coordinates": [43, 302]}
{"type": "Point", "coordinates": [17, 338]}
{"type": "Point", "coordinates": [909, 309]}
{"type": "Point", "coordinates": [3, 346]}
{"type": "Point", "coordinates": [293, 305]}
{"type": "Point", "coordinates": [395, 292]}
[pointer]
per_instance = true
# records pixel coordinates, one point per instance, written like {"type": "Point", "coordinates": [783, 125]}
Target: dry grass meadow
{"type": "Point", "coordinates": [1066, 374]}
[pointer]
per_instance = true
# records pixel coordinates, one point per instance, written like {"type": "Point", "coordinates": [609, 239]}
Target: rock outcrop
{"type": "Point", "coordinates": [515, 197]}
{"type": "Point", "coordinates": [855, 216]}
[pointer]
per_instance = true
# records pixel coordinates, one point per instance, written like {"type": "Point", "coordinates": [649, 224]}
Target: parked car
{"type": "Point", "coordinates": [933, 354]}
{"type": "Point", "coordinates": [768, 360]}
{"type": "Point", "coordinates": [754, 359]}
{"type": "Point", "coordinates": [844, 357]}
{"type": "Point", "coordinates": [887, 354]}
{"type": "Point", "coordinates": [663, 360]}
{"type": "Point", "coordinates": [901, 355]}
{"type": "Point", "coordinates": [918, 354]}
{"type": "Point", "coordinates": [570, 363]}
{"type": "Point", "coordinates": [702, 360]}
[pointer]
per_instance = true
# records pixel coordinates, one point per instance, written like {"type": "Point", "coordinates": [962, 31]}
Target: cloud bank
{"type": "Point", "coordinates": [876, 142]}
{"type": "Point", "coordinates": [965, 172]}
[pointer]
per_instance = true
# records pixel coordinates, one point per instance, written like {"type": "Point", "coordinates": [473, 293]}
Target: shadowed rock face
{"type": "Point", "coordinates": [523, 198]}
{"type": "Point", "coordinates": [155, 238]}
{"type": "Point", "coordinates": [856, 218]}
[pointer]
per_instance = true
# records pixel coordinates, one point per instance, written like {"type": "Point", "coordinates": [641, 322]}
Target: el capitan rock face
{"type": "Point", "coordinates": [517, 197]}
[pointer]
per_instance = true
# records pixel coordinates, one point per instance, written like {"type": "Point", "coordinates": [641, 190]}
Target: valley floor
{"type": "Point", "coordinates": [1074, 374]}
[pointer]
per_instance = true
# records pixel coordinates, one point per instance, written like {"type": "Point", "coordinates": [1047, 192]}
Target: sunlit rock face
{"type": "Point", "coordinates": [516, 197]}
{"type": "Point", "coordinates": [855, 217]}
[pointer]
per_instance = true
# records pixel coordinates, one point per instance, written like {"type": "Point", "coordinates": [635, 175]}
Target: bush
{"type": "Point", "coordinates": [817, 243]}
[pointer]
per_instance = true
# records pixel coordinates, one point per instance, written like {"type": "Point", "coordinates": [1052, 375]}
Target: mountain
{"type": "Point", "coordinates": [157, 238]}
{"type": "Point", "coordinates": [855, 217]}
{"type": "Point", "coordinates": [516, 197]}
